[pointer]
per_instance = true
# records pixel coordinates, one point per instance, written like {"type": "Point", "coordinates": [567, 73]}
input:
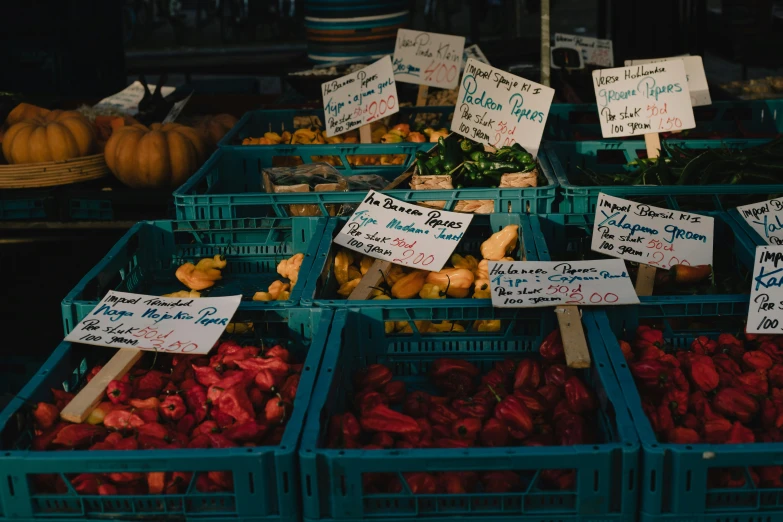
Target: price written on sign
{"type": "Point", "coordinates": [765, 314]}
{"type": "Point", "coordinates": [594, 51]}
{"type": "Point", "coordinates": [694, 73]}
{"type": "Point", "coordinates": [500, 109]}
{"type": "Point", "coordinates": [163, 324]}
{"type": "Point", "coordinates": [766, 218]}
{"type": "Point", "coordinates": [360, 97]}
{"type": "Point", "coordinates": [643, 99]}
{"type": "Point", "coordinates": [653, 236]}
{"type": "Point", "coordinates": [532, 284]}
{"type": "Point", "coordinates": [428, 58]}
{"type": "Point", "coordinates": [410, 235]}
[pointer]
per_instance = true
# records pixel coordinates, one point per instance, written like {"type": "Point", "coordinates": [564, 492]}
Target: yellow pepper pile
{"type": "Point", "coordinates": [202, 275]}
{"type": "Point", "coordinates": [280, 290]}
{"type": "Point", "coordinates": [467, 276]}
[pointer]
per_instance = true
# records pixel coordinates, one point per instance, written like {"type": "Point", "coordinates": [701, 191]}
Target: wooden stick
{"type": "Point", "coordinates": [365, 134]}
{"type": "Point", "coordinates": [421, 98]}
{"type": "Point", "coordinates": [373, 277]}
{"type": "Point", "coordinates": [88, 398]}
{"type": "Point", "coordinates": [573, 336]}
{"type": "Point", "coordinates": [645, 278]}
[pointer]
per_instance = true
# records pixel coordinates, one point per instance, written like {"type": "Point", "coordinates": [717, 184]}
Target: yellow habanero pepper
{"type": "Point", "coordinates": [500, 243]}
{"type": "Point", "coordinates": [430, 291]}
{"type": "Point", "coordinates": [457, 281]}
{"type": "Point", "coordinates": [410, 285]}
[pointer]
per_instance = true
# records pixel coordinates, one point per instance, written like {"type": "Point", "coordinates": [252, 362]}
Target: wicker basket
{"type": "Point", "coordinates": [53, 173]}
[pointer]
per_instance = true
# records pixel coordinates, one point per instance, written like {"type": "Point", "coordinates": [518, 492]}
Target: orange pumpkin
{"type": "Point", "coordinates": [213, 128]}
{"type": "Point", "coordinates": [161, 156]}
{"type": "Point", "coordinates": [24, 111]}
{"type": "Point", "coordinates": [55, 136]}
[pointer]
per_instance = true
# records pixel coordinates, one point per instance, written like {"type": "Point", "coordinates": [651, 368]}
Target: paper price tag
{"type": "Point", "coordinates": [430, 59]}
{"type": "Point", "coordinates": [163, 324]}
{"type": "Point", "coordinates": [653, 236]}
{"type": "Point", "coordinates": [499, 108]}
{"type": "Point", "coordinates": [694, 72]}
{"type": "Point", "coordinates": [473, 51]}
{"type": "Point", "coordinates": [643, 99]}
{"type": "Point", "coordinates": [410, 235]}
{"type": "Point", "coordinates": [765, 219]}
{"type": "Point", "coordinates": [176, 109]}
{"type": "Point", "coordinates": [128, 99]}
{"type": "Point", "coordinates": [532, 284]}
{"type": "Point", "coordinates": [594, 51]}
{"type": "Point", "coordinates": [765, 314]}
{"type": "Point", "coordinates": [360, 98]}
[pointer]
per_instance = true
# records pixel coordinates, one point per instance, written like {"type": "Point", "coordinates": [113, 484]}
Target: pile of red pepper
{"type": "Point", "coordinates": [724, 391]}
{"type": "Point", "coordinates": [533, 402]}
{"type": "Point", "coordinates": [241, 396]}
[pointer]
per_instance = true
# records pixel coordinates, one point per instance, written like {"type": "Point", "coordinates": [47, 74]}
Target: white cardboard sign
{"type": "Point", "coordinates": [499, 108]}
{"type": "Point", "coordinates": [149, 322]}
{"type": "Point", "coordinates": [430, 59]}
{"type": "Point", "coordinates": [765, 314]}
{"type": "Point", "coordinates": [654, 236]}
{"type": "Point", "coordinates": [643, 99]}
{"type": "Point", "coordinates": [694, 72]}
{"type": "Point", "coordinates": [402, 233]}
{"type": "Point", "coordinates": [360, 97]}
{"type": "Point", "coordinates": [176, 109]}
{"type": "Point", "coordinates": [475, 52]}
{"type": "Point", "coordinates": [765, 218]}
{"type": "Point", "coordinates": [532, 284]}
{"type": "Point", "coordinates": [594, 51]}
{"type": "Point", "coordinates": [127, 100]}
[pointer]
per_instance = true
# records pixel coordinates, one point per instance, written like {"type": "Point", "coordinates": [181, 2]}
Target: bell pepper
{"type": "Point", "coordinates": [444, 366]}
{"type": "Point", "coordinates": [494, 433]}
{"type": "Point", "coordinates": [651, 373]}
{"type": "Point", "coordinates": [77, 435]}
{"type": "Point", "coordinates": [570, 430]}
{"type": "Point", "coordinates": [375, 377]}
{"type": "Point", "coordinates": [513, 412]}
{"type": "Point", "coordinates": [703, 374]}
{"type": "Point", "coordinates": [455, 385]}
{"type": "Point", "coordinates": [46, 415]}
{"type": "Point", "coordinates": [119, 392]}
{"type": "Point", "coordinates": [466, 429]}
{"type": "Point", "coordinates": [494, 378]}
{"type": "Point", "coordinates": [533, 400]}
{"type": "Point", "coordinates": [551, 348]}
{"type": "Point", "coordinates": [528, 375]}
{"type": "Point", "coordinates": [735, 403]}
{"type": "Point", "coordinates": [580, 398]}
{"type": "Point", "coordinates": [394, 391]}
{"type": "Point", "coordinates": [173, 407]}
{"type": "Point", "coordinates": [381, 418]}
{"type": "Point", "coordinates": [417, 404]}
{"type": "Point", "coordinates": [442, 414]}
{"type": "Point", "coordinates": [557, 375]}
{"type": "Point", "coordinates": [473, 407]}
{"type": "Point", "coordinates": [368, 399]}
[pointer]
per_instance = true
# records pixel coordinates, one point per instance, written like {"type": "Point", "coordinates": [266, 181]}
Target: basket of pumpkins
{"type": "Point", "coordinates": [44, 148]}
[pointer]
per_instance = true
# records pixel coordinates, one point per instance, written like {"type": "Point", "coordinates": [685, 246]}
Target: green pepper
{"type": "Point", "coordinates": [477, 155]}
{"type": "Point", "coordinates": [422, 156]}
{"type": "Point", "coordinates": [452, 152]}
{"type": "Point", "coordinates": [433, 163]}
{"type": "Point", "coordinates": [505, 166]}
{"type": "Point", "coordinates": [465, 145]}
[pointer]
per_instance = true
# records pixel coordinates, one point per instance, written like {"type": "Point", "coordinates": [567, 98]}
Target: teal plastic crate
{"type": "Point", "coordinates": [266, 478]}
{"type": "Point", "coordinates": [229, 185]}
{"type": "Point", "coordinates": [721, 120]}
{"type": "Point", "coordinates": [607, 473]}
{"type": "Point", "coordinates": [674, 479]}
{"type": "Point", "coordinates": [568, 237]}
{"type": "Point", "coordinates": [566, 159]}
{"type": "Point", "coordinates": [27, 204]}
{"type": "Point", "coordinates": [145, 258]}
{"type": "Point", "coordinates": [255, 123]}
{"type": "Point", "coordinates": [321, 290]}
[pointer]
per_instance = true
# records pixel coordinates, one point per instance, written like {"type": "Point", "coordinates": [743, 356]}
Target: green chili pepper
{"type": "Point", "coordinates": [477, 155]}
{"type": "Point", "coordinates": [465, 145]}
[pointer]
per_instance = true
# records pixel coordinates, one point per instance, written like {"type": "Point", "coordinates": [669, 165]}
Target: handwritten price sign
{"type": "Point", "coordinates": [428, 58]}
{"type": "Point", "coordinates": [765, 314]}
{"type": "Point", "coordinates": [766, 218]}
{"type": "Point", "coordinates": [594, 51]}
{"type": "Point", "coordinates": [499, 108]}
{"type": "Point", "coordinates": [162, 324]}
{"type": "Point", "coordinates": [360, 98]}
{"type": "Point", "coordinates": [410, 235]}
{"type": "Point", "coordinates": [653, 236]}
{"type": "Point", "coordinates": [643, 99]}
{"type": "Point", "coordinates": [533, 284]}
{"type": "Point", "coordinates": [694, 73]}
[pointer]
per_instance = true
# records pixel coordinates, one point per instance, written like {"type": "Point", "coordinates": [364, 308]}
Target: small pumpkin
{"type": "Point", "coordinates": [55, 136]}
{"type": "Point", "coordinates": [163, 155]}
{"type": "Point", "coordinates": [213, 128]}
{"type": "Point", "coordinates": [24, 111]}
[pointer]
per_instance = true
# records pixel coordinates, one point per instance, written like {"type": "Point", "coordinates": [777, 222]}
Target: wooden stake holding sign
{"type": "Point", "coordinates": [645, 278]}
{"type": "Point", "coordinates": [421, 98]}
{"type": "Point", "coordinates": [569, 320]}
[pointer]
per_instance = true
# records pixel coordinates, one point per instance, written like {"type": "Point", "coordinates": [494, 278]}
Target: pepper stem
{"type": "Point", "coordinates": [497, 397]}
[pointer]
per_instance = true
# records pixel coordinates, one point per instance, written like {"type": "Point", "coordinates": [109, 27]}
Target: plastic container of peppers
{"type": "Point", "coordinates": [145, 259]}
{"type": "Point", "coordinates": [568, 237]}
{"type": "Point", "coordinates": [265, 478]}
{"type": "Point", "coordinates": [689, 481]}
{"type": "Point", "coordinates": [333, 479]}
{"type": "Point", "coordinates": [321, 289]}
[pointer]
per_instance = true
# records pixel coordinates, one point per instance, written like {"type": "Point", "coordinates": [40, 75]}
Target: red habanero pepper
{"type": "Point", "coordinates": [276, 410]}
{"type": "Point", "coordinates": [218, 441]}
{"type": "Point", "coordinates": [173, 407]}
{"type": "Point", "coordinates": [529, 375]}
{"type": "Point", "coordinates": [76, 435]}
{"type": "Point", "coordinates": [93, 372]}
{"type": "Point", "coordinates": [119, 392]}
{"type": "Point", "coordinates": [43, 440]}
{"type": "Point", "coordinates": [224, 479]}
{"type": "Point", "coordinates": [186, 424]}
{"type": "Point", "coordinates": [374, 376]}
{"type": "Point", "coordinates": [648, 352]}
{"type": "Point", "coordinates": [740, 434]}
{"type": "Point", "coordinates": [558, 479]}
{"type": "Point", "coordinates": [689, 420]}
{"type": "Point", "coordinates": [205, 428]}
{"type": "Point", "coordinates": [494, 433]}
{"type": "Point", "coordinates": [204, 485]}
{"type": "Point", "coordinates": [703, 374]}
{"type": "Point", "coordinates": [757, 360]}
{"type": "Point", "coordinates": [266, 381]}
{"type": "Point", "coordinates": [681, 435]}
{"type": "Point", "coordinates": [127, 444]}
{"type": "Point", "coordinates": [665, 420]}
{"type": "Point", "coordinates": [770, 476]}
{"type": "Point", "coordinates": [382, 440]}
{"type": "Point", "coordinates": [703, 345]}
{"type": "Point", "coordinates": [86, 483]}
{"type": "Point", "coordinates": [773, 350]}
{"type": "Point", "coordinates": [735, 403]}
{"type": "Point", "coordinates": [382, 418]}
{"type": "Point", "coordinates": [421, 483]}
{"type": "Point", "coordinates": [122, 420]}
{"type": "Point", "coordinates": [206, 376]}
{"type": "Point", "coordinates": [645, 334]}
{"type": "Point", "coordinates": [288, 390]}
{"type": "Point", "coordinates": [199, 441]}
{"type": "Point", "coordinates": [246, 432]}
{"type": "Point", "coordinates": [196, 400]}
{"type": "Point", "coordinates": [726, 363]}
{"type": "Point", "coordinates": [61, 398]}
{"type": "Point", "coordinates": [46, 415]}
{"type": "Point", "coordinates": [500, 481]}
{"type": "Point", "coordinates": [154, 429]}
{"type": "Point", "coordinates": [145, 404]}
{"type": "Point", "coordinates": [580, 398]}
{"type": "Point", "coordinates": [149, 384]}
{"type": "Point", "coordinates": [753, 383]}
{"type": "Point", "coordinates": [447, 443]}
{"type": "Point", "coordinates": [651, 374]}
{"type": "Point", "coordinates": [551, 347]}
{"type": "Point", "coordinates": [458, 482]}
{"type": "Point", "coordinates": [236, 403]}
{"type": "Point", "coordinates": [466, 429]}
{"type": "Point", "coordinates": [775, 375]}
{"type": "Point", "coordinates": [417, 404]}
{"type": "Point", "coordinates": [513, 412]}
{"type": "Point", "coordinates": [716, 428]}
{"type": "Point", "coordinates": [627, 350]}
{"type": "Point", "coordinates": [769, 414]}
{"type": "Point", "coordinates": [257, 398]}
{"type": "Point", "coordinates": [279, 352]}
